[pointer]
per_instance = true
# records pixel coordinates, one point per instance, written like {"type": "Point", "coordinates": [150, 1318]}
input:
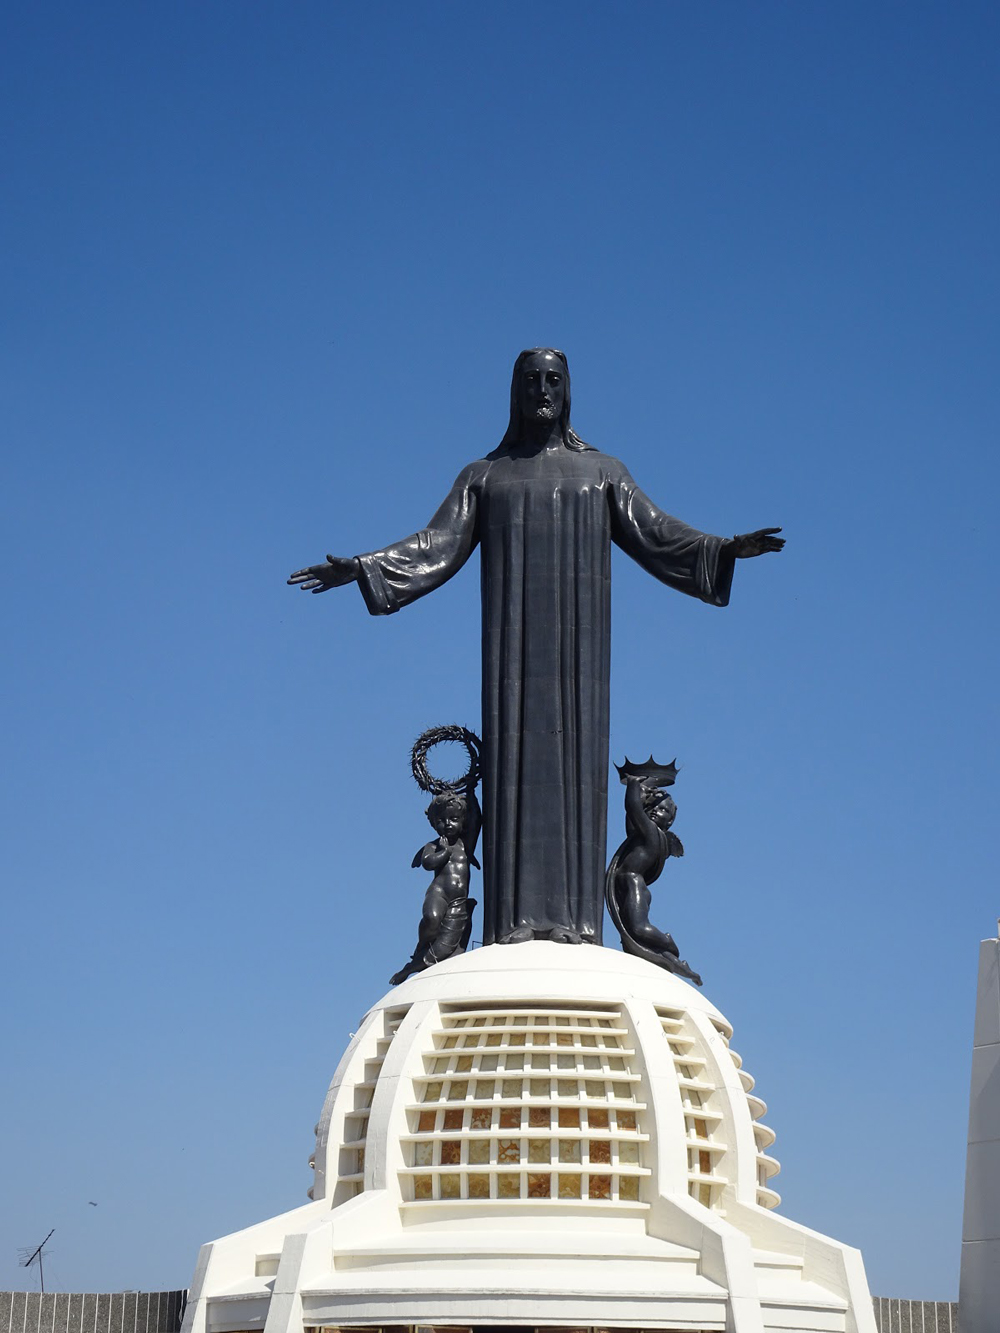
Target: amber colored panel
{"type": "Point", "coordinates": [628, 1187]}
{"type": "Point", "coordinates": [464, 1064]}
{"type": "Point", "coordinates": [423, 1187]}
{"type": "Point", "coordinates": [432, 1092]}
{"type": "Point", "coordinates": [509, 1185]}
{"type": "Point", "coordinates": [597, 1119]}
{"type": "Point", "coordinates": [705, 1163]}
{"type": "Point", "coordinates": [423, 1154]}
{"type": "Point", "coordinates": [450, 1043]}
{"type": "Point", "coordinates": [426, 1122]}
{"type": "Point", "coordinates": [564, 1039]}
{"type": "Point", "coordinates": [482, 1117]}
{"type": "Point", "coordinates": [451, 1152]}
{"type": "Point", "coordinates": [539, 1116]}
{"type": "Point", "coordinates": [569, 1117]}
{"type": "Point", "coordinates": [361, 1160]}
{"type": "Point", "coordinates": [626, 1120]}
{"type": "Point", "coordinates": [701, 1129]}
{"type": "Point", "coordinates": [569, 1150]}
{"type": "Point", "coordinates": [457, 1092]}
{"type": "Point", "coordinates": [510, 1117]}
{"type": "Point", "coordinates": [538, 1150]}
{"type": "Point", "coordinates": [451, 1187]}
{"type": "Point", "coordinates": [539, 1186]}
{"type": "Point", "coordinates": [540, 1039]}
{"type": "Point", "coordinates": [485, 1088]}
{"type": "Point", "coordinates": [600, 1151]}
{"type": "Point", "coordinates": [509, 1150]}
{"type": "Point", "coordinates": [479, 1150]}
{"type": "Point", "coordinates": [453, 1120]}
{"type": "Point", "coordinates": [600, 1187]}
{"type": "Point", "coordinates": [628, 1152]}
{"type": "Point", "coordinates": [493, 1039]}
{"type": "Point", "coordinates": [479, 1185]}
{"type": "Point", "coordinates": [511, 1087]}
{"type": "Point", "coordinates": [569, 1185]}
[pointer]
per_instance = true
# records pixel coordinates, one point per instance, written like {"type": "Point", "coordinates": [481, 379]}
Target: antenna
{"type": "Point", "coordinates": [35, 1256]}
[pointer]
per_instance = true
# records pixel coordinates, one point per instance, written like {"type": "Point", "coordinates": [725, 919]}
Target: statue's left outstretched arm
{"type": "Point", "coordinates": [693, 562]}
{"type": "Point", "coordinates": [763, 541]}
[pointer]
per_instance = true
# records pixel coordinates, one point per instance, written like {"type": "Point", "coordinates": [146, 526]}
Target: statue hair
{"type": "Point", "coordinates": [446, 801]}
{"type": "Point", "coordinates": [569, 436]}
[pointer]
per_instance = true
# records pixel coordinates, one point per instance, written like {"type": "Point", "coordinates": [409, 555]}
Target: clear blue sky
{"type": "Point", "coordinates": [267, 267]}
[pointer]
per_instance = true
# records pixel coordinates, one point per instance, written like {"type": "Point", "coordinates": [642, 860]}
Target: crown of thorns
{"type": "Point", "coordinates": [426, 742]}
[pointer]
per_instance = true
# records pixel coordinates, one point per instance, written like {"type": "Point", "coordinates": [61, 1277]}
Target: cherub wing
{"type": "Point", "coordinates": [418, 859]}
{"type": "Point", "coordinates": [473, 825]}
{"type": "Point", "coordinates": [674, 845]}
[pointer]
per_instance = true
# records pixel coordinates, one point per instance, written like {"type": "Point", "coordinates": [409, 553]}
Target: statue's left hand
{"type": "Point", "coordinates": [748, 544]}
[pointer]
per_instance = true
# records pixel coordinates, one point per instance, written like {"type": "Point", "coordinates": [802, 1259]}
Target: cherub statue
{"type": "Point", "coordinates": [455, 816]}
{"type": "Point", "coordinates": [638, 862]}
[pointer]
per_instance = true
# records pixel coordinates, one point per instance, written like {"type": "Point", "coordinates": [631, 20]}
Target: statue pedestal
{"type": "Point", "coordinates": [539, 1135]}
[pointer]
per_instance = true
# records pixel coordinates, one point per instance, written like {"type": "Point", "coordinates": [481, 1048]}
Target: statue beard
{"type": "Point", "coordinates": [545, 412]}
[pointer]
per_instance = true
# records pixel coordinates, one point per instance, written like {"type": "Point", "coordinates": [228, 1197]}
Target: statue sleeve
{"type": "Point", "coordinates": [693, 562]}
{"type": "Point", "coordinates": [400, 573]}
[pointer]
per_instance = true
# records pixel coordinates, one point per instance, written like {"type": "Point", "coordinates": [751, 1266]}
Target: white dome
{"type": "Point", "coordinates": [542, 1135]}
{"type": "Point", "coordinates": [549, 1073]}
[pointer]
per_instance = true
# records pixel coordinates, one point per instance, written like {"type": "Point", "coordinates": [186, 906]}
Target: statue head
{"type": "Point", "coordinates": [539, 391]}
{"type": "Point", "coordinates": [446, 813]}
{"type": "Point", "coordinates": [661, 807]}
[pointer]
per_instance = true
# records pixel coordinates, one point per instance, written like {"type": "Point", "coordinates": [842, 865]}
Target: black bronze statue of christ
{"type": "Point", "coordinates": [544, 507]}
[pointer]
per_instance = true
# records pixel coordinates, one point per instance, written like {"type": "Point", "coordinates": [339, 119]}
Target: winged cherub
{"type": "Point", "coordinates": [446, 922]}
{"type": "Point", "coordinates": [649, 813]}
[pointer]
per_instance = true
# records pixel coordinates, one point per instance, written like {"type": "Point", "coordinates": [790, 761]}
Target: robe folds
{"type": "Point", "coordinates": [544, 522]}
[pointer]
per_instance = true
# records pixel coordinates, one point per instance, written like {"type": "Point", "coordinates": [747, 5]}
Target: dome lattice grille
{"type": "Point", "coordinates": [525, 1102]}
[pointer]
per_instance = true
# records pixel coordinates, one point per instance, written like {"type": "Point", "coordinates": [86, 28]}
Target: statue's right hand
{"type": "Point", "coordinates": [338, 570]}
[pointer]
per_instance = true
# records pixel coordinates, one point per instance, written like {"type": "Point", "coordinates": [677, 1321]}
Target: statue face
{"type": "Point", "coordinates": [665, 813]}
{"type": "Point", "coordinates": [446, 820]}
{"type": "Point", "coordinates": [542, 387]}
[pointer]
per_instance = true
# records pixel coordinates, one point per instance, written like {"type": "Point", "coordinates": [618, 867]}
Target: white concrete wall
{"type": "Point", "coordinates": [979, 1290]}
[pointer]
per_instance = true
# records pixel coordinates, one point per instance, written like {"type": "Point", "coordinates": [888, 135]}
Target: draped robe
{"type": "Point", "coordinates": [545, 522]}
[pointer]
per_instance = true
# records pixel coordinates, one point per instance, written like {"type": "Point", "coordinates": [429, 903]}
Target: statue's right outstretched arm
{"type": "Point", "coordinates": [333, 573]}
{"type": "Point", "coordinates": [400, 573]}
